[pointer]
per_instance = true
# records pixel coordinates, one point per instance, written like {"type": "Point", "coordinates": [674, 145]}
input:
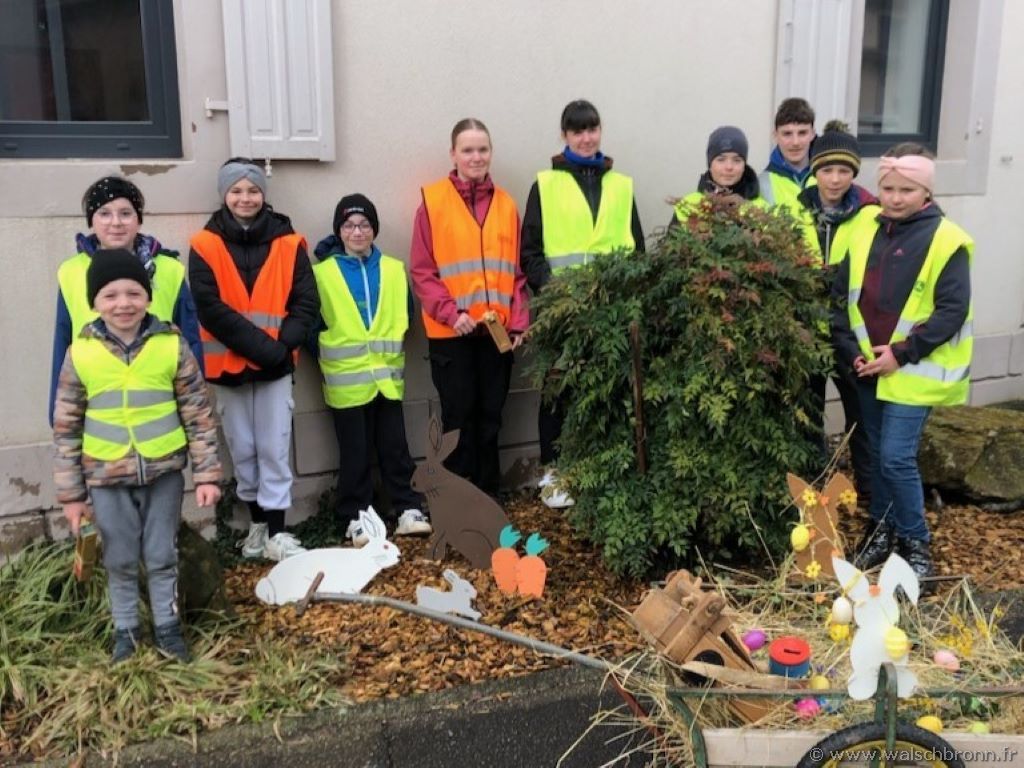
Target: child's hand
{"type": "Point", "coordinates": [207, 494]}
{"type": "Point", "coordinates": [74, 512]}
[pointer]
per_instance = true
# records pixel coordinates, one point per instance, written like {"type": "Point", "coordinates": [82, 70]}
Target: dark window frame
{"type": "Point", "coordinates": [158, 137]}
{"type": "Point", "coordinates": [874, 144]}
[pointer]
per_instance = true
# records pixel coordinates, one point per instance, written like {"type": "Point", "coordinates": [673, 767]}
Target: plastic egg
{"type": "Point", "coordinates": [807, 709]}
{"type": "Point", "coordinates": [896, 643]}
{"type": "Point", "coordinates": [754, 639]}
{"type": "Point", "coordinates": [979, 728]}
{"type": "Point", "coordinates": [842, 611]}
{"type": "Point", "coordinates": [800, 537]}
{"type": "Point", "coordinates": [947, 660]}
{"type": "Point", "coordinates": [839, 632]}
{"type": "Point", "coordinates": [930, 723]}
{"type": "Point", "coordinates": [820, 683]}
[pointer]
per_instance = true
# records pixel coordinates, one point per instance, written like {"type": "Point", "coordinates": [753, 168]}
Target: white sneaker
{"type": "Point", "coordinates": [356, 533]}
{"type": "Point", "coordinates": [255, 542]}
{"type": "Point", "coordinates": [413, 522]}
{"type": "Point", "coordinates": [549, 478]}
{"type": "Point", "coordinates": [556, 497]}
{"type": "Point", "coordinates": [281, 546]}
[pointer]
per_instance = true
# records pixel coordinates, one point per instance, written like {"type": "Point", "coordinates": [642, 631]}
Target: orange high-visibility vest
{"type": "Point", "coordinates": [265, 308]}
{"type": "Point", "coordinates": [477, 264]}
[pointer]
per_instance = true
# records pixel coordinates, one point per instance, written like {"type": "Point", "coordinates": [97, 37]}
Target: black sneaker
{"type": "Point", "coordinates": [876, 546]}
{"type": "Point", "coordinates": [126, 642]}
{"type": "Point", "coordinates": [918, 555]}
{"type": "Point", "coordinates": [170, 641]}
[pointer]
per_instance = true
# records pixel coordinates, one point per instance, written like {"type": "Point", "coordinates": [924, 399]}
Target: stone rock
{"type": "Point", "coordinates": [974, 453]}
{"type": "Point", "coordinates": [201, 591]}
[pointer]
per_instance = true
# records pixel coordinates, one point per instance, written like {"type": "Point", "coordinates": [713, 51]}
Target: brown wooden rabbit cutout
{"type": "Point", "coordinates": [819, 512]}
{"type": "Point", "coordinates": [464, 517]}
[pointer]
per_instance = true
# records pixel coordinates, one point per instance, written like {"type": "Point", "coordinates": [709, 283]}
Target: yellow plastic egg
{"type": "Point", "coordinates": [820, 683]}
{"type": "Point", "coordinates": [842, 611]}
{"type": "Point", "coordinates": [896, 643]}
{"type": "Point", "coordinates": [979, 728]}
{"type": "Point", "coordinates": [800, 537]}
{"type": "Point", "coordinates": [839, 632]}
{"type": "Point", "coordinates": [930, 723]}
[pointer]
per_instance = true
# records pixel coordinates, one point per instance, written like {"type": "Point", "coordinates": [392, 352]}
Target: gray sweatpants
{"type": "Point", "coordinates": [141, 521]}
{"type": "Point", "coordinates": [257, 421]}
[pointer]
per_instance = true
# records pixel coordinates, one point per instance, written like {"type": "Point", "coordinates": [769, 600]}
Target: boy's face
{"type": "Point", "coordinates": [357, 235]}
{"type": "Point", "coordinates": [122, 304]}
{"type": "Point", "coordinates": [794, 140]}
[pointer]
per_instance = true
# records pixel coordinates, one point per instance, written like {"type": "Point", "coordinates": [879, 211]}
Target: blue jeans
{"type": "Point", "coordinates": [894, 431]}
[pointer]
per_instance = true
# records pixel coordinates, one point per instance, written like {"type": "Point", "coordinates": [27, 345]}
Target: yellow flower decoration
{"type": "Point", "coordinates": [813, 569]}
{"type": "Point", "coordinates": [809, 497]}
{"type": "Point", "coordinates": [848, 498]}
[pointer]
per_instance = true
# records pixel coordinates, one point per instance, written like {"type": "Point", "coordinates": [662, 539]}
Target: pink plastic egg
{"type": "Point", "coordinates": [947, 660]}
{"type": "Point", "coordinates": [807, 709]}
{"type": "Point", "coordinates": [754, 639]}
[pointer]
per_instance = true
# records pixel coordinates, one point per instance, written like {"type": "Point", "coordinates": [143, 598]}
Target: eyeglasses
{"type": "Point", "coordinates": [364, 226]}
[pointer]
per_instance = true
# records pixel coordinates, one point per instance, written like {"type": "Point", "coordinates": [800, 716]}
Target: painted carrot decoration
{"type": "Point", "coordinates": [531, 571]}
{"type": "Point", "coordinates": [505, 559]}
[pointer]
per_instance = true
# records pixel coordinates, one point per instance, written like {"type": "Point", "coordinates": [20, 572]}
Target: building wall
{"type": "Point", "coordinates": [403, 74]}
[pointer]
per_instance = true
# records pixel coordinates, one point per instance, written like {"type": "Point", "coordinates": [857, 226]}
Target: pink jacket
{"type": "Point", "coordinates": [432, 293]}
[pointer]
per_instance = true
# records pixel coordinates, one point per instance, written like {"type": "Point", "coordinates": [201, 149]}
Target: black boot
{"type": "Point", "coordinates": [170, 641]}
{"type": "Point", "coordinates": [918, 555]}
{"type": "Point", "coordinates": [876, 546]}
{"type": "Point", "coordinates": [126, 641]}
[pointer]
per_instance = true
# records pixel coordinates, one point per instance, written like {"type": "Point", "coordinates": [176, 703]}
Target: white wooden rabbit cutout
{"type": "Point", "coordinates": [345, 569]}
{"type": "Point", "coordinates": [877, 614]}
{"type": "Point", "coordinates": [458, 600]}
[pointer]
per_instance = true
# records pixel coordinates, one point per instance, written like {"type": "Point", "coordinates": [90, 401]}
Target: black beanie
{"type": "Point", "coordinates": [727, 138]}
{"type": "Point", "coordinates": [350, 205]}
{"type": "Point", "coordinates": [111, 188]}
{"type": "Point", "coordinates": [835, 147]}
{"type": "Point", "coordinates": [106, 266]}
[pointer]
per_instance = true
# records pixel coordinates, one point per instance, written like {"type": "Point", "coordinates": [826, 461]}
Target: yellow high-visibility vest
{"type": "Point", "coordinates": [358, 362]}
{"type": "Point", "coordinates": [943, 377]}
{"type": "Point", "coordinates": [130, 405]}
{"type": "Point", "coordinates": [71, 276]}
{"type": "Point", "coordinates": [840, 246]}
{"type": "Point", "coordinates": [571, 235]}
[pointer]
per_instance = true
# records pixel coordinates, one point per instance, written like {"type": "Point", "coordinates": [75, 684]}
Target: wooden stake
{"type": "Point", "coordinates": [638, 398]}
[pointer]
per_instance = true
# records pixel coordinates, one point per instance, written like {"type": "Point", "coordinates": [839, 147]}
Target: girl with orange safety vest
{"type": "Point", "coordinates": [257, 303]}
{"type": "Point", "coordinates": [465, 265]}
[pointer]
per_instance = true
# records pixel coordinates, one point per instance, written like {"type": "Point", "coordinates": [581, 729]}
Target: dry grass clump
{"type": "Point", "coordinates": [59, 694]}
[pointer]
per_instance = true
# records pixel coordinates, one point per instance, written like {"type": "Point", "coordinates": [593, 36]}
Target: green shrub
{"type": "Point", "coordinates": [730, 310]}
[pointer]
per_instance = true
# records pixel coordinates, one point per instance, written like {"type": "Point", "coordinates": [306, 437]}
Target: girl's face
{"type": "Point", "coordinates": [585, 143]}
{"type": "Point", "coordinates": [244, 199]}
{"type": "Point", "coordinates": [833, 183]}
{"type": "Point", "coordinates": [727, 169]}
{"type": "Point", "coordinates": [472, 154]}
{"type": "Point", "coordinates": [900, 197]}
{"type": "Point", "coordinates": [357, 235]}
{"type": "Point", "coordinates": [116, 224]}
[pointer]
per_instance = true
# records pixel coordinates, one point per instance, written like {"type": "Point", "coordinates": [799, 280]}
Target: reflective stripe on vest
{"type": "Point", "coordinates": [130, 405]}
{"type": "Point", "coordinates": [943, 377]}
{"type": "Point", "coordinates": [359, 362]}
{"type": "Point", "coordinates": [571, 235]}
{"type": "Point", "coordinates": [477, 264]}
{"type": "Point", "coordinates": [266, 308]}
{"type": "Point", "coordinates": [168, 275]}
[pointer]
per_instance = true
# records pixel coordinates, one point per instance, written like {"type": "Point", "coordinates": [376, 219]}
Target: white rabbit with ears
{"type": "Point", "coordinates": [345, 569]}
{"type": "Point", "coordinates": [876, 611]}
{"type": "Point", "coordinates": [458, 600]}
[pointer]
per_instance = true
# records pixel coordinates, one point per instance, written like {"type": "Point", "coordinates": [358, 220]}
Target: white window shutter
{"type": "Point", "coordinates": [280, 78]}
{"type": "Point", "coordinates": [819, 56]}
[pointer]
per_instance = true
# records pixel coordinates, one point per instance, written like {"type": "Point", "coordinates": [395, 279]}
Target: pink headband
{"type": "Point", "coordinates": [918, 168]}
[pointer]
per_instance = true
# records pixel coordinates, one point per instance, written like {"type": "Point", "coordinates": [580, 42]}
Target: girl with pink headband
{"type": "Point", "coordinates": [901, 322]}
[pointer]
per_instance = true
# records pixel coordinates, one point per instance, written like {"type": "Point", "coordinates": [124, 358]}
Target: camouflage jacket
{"type": "Point", "coordinates": [73, 472]}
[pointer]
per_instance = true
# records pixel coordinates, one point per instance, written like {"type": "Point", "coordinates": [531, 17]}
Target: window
{"type": "Point", "coordinates": [88, 78]}
{"type": "Point", "coordinates": [901, 72]}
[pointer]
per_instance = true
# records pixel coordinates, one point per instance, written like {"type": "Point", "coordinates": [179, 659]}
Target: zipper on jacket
{"type": "Point", "coordinates": [366, 292]}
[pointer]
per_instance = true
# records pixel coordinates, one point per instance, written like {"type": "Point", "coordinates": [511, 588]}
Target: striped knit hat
{"type": "Point", "coordinates": [835, 146]}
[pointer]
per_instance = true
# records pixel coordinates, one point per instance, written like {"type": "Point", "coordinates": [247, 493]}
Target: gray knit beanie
{"type": "Point", "coordinates": [238, 168]}
{"type": "Point", "coordinates": [727, 138]}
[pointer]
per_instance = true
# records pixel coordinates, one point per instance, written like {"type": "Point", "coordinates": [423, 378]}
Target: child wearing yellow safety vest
{"type": "Point", "coordinates": [131, 401]}
{"type": "Point", "coordinates": [365, 306]}
{"type": "Point", "coordinates": [902, 322]}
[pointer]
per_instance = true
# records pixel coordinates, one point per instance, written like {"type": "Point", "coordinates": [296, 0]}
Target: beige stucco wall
{"type": "Point", "coordinates": [663, 73]}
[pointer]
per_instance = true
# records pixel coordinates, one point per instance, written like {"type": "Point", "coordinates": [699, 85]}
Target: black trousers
{"type": "Point", "coordinates": [860, 446]}
{"type": "Point", "coordinates": [472, 379]}
{"type": "Point", "coordinates": [377, 425]}
{"type": "Point", "coordinates": [550, 417]}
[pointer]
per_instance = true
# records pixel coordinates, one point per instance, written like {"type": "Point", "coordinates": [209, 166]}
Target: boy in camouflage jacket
{"type": "Point", "coordinates": [131, 401]}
